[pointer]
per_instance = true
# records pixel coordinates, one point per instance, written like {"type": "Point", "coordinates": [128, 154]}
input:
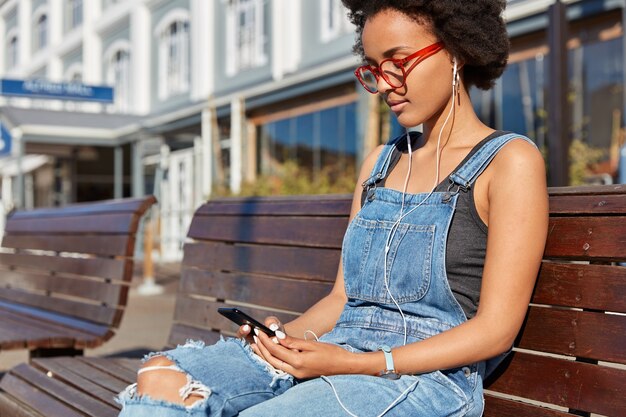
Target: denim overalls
{"type": "Point", "coordinates": [233, 378]}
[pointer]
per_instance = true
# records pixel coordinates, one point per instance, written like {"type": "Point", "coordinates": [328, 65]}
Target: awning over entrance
{"type": "Point", "coordinates": [69, 127]}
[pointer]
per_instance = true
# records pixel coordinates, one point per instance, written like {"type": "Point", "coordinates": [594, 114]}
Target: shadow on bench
{"type": "Point", "coordinates": [279, 255]}
{"type": "Point", "coordinates": [65, 274]}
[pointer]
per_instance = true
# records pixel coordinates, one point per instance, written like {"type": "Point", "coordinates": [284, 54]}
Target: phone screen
{"type": "Point", "coordinates": [241, 318]}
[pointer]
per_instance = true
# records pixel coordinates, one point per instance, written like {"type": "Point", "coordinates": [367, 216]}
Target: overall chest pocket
{"type": "Point", "coordinates": [408, 262]}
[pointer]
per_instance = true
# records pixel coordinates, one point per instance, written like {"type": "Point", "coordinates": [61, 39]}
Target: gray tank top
{"type": "Point", "coordinates": [467, 237]}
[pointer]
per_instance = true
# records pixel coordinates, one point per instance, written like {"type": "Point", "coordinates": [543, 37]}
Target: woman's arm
{"type": "Point", "coordinates": [518, 219]}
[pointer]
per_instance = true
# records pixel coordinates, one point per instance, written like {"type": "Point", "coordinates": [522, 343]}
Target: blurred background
{"type": "Point", "coordinates": [192, 99]}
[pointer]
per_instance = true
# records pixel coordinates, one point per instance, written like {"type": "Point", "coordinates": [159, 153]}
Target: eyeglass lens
{"type": "Point", "coordinates": [392, 73]}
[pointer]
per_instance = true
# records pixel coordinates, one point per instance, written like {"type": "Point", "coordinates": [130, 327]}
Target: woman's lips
{"type": "Point", "coordinates": [396, 106]}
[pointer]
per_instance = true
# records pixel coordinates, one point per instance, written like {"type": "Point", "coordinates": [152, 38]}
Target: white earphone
{"type": "Point", "coordinates": [455, 73]}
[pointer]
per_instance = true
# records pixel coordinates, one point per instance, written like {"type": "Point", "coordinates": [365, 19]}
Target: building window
{"type": "Point", "coordinates": [320, 145]}
{"type": "Point", "coordinates": [334, 20]}
{"type": "Point", "coordinates": [12, 52]}
{"type": "Point", "coordinates": [519, 103]}
{"type": "Point", "coordinates": [174, 59]}
{"type": "Point", "coordinates": [118, 76]}
{"type": "Point", "coordinates": [41, 31]}
{"type": "Point", "coordinates": [75, 13]}
{"type": "Point", "coordinates": [246, 35]}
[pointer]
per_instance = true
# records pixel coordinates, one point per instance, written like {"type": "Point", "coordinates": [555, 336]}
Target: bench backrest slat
{"type": "Point", "coordinates": [286, 261]}
{"type": "Point", "coordinates": [119, 223]}
{"type": "Point", "coordinates": [584, 334]}
{"type": "Point", "coordinates": [99, 291]}
{"type": "Point", "coordinates": [254, 289]}
{"type": "Point", "coordinates": [586, 238]}
{"type": "Point", "coordinates": [566, 383]}
{"type": "Point", "coordinates": [280, 255]}
{"type": "Point", "coordinates": [298, 230]}
{"type": "Point", "coordinates": [595, 287]}
{"type": "Point", "coordinates": [100, 245]}
{"type": "Point", "coordinates": [106, 268]}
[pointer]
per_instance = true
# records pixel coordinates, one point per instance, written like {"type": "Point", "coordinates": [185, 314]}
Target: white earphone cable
{"type": "Point", "coordinates": [396, 224]}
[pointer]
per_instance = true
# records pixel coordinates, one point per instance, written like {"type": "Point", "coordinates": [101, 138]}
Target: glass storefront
{"type": "Point", "coordinates": [519, 102]}
{"type": "Point", "coordinates": [321, 143]}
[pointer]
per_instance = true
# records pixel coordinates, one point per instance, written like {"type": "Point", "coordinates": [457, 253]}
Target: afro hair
{"type": "Point", "coordinates": [473, 31]}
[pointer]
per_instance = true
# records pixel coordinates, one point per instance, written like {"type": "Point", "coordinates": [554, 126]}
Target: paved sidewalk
{"type": "Point", "coordinates": [145, 325]}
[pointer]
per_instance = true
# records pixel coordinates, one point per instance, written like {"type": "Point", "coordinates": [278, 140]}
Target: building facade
{"type": "Point", "coordinates": [211, 95]}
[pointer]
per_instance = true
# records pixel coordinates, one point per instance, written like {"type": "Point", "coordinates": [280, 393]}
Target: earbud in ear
{"type": "Point", "coordinates": [455, 73]}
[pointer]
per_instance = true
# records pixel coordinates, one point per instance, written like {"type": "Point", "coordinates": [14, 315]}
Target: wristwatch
{"type": "Point", "coordinates": [390, 371]}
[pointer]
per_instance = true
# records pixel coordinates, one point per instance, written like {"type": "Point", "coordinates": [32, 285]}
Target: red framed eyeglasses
{"type": "Point", "coordinates": [392, 70]}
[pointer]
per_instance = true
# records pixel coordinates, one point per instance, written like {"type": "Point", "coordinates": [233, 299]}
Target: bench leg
{"type": "Point", "coordinates": [51, 352]}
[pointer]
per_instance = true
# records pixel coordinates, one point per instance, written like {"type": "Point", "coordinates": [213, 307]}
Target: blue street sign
{"type": "Point", "coordinates": [5, 140]}
{"type": "Point", "coordinates": [40, 88]}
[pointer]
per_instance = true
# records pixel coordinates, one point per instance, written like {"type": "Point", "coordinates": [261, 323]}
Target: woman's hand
{"type": "Point", "coordinates": [305, 358]}
{"type": "Point", "coordinates": [245, 332]}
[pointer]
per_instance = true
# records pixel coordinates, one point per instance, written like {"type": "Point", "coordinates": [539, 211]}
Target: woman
{"type": "Point", "coordinates": [445, 219]}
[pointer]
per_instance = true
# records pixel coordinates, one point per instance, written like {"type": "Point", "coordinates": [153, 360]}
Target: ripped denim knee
{"type": "Point", "coordinates": [209, 369]}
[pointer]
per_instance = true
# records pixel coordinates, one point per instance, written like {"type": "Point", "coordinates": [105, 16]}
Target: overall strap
{"type": "Point", "coordinates": [382, 163]}
{"type": "Point", "coordinates": [465, 175]}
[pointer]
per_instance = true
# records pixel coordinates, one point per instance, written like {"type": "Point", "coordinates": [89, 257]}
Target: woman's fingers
{"type": "Point", "coordinates": [274, 324]}
{"type": "Point", "coordinates": [243, 331]}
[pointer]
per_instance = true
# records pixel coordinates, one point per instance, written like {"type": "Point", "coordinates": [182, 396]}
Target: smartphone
{"type": "Point", "coordinates": [242, 318]}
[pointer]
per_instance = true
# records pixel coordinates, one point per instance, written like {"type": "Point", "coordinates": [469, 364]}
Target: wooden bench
{"type": "Point", "coordinates": [279, 255]}
{"type": "Point", "coordinates": [64, 275]}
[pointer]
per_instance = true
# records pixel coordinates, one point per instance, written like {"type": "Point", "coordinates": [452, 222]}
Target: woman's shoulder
{"type": "Point", "coordinates": [518, 162]}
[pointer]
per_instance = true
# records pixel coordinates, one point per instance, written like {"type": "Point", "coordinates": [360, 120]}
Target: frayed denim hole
{"type": "Point", "coordinates": [192, 387]}
{"type": "Point", "coordinates": [145, 400]}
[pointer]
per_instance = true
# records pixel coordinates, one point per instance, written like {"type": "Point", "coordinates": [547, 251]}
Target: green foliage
{"type": "Point", "coordinates": [294, 180]}
{"type": "Point", "coordinates": [582, 159]}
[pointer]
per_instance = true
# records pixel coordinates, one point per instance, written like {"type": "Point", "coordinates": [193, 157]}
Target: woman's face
{"type": "Point", "coordinates": [428, 87]}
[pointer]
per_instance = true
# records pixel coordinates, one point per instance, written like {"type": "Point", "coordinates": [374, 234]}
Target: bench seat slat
{"type": "Point", "coordinates": [306, 263]}
{"type": "Point", "coordinates": [92, 312]}
{"type": "Point", "coordinates": [63, 393]}
{"type": "Point", "coordinates": [581, 334]}
{"type": "Point", "coordinates": [274, 230]}
{"type": "Point", "coordinates": [124, 369]}
{"type": "Point", "coordinates": [105, 223]}
{"type": "Point", "coordinates": [114, 269]}
{"type": "Point", "coordinates": [586, 238]}
{"type": "Point", "coordinates": [571, 384]}
{"type": "Point", "coordinates": [501, 407]}
{"type": "Point", "coordinates": [36, 398]}
{"type": "Point", "coordinates": [83, 377]}
{"type": "Point", "coordinates": [96, 290]}
{"type": "Point", "coordinates": [103, 245]}
{"type": "Point", "coordinates": [296, 295]}
{"type": "Point", "coordinates": [597, 287]}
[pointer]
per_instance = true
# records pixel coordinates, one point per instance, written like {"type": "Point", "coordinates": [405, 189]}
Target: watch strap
{"type": "Point", "coordinates": [389, 366]}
